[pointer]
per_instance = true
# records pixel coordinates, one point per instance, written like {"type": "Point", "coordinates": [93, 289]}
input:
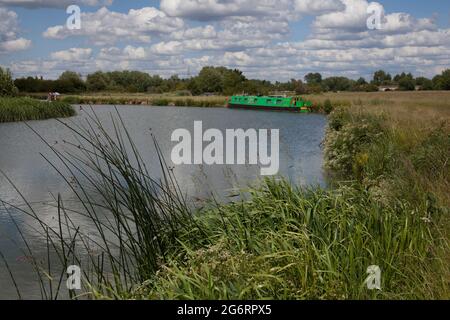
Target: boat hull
{"type": "Point", "coordinates": [268, 108]}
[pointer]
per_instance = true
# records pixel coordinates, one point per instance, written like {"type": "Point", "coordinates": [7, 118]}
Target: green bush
{"type": "Point", "coordinates": [327, 106]}
{"type": "Point", "coordinates": [160, 102]}
{"type": "Point", "coordinates": [7, 87]}
{"type": "Point", "coordinates": [347, 140]}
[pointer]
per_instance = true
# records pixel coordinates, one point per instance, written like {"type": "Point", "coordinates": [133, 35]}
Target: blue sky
{"type": "Point", "coordinates": [271, 39]}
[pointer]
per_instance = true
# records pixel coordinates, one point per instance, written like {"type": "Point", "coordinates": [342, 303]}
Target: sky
{"type": "Point", "coordinates": [276, 40]}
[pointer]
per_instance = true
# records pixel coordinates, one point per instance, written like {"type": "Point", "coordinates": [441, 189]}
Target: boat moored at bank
{"type": "Point", "coordinates": [277, 103]}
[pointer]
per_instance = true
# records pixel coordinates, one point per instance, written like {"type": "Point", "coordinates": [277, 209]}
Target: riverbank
{"type": "Point", "coordinates": [25, 109]}
{"type": "Point", "coordinates": [409, 102]}
{"type": "Point", "coordinates": [387, 205]}
{"type": "Point", "coordinates": [160, 100]}
{"type": "Point", "coordinates": [392, 211]}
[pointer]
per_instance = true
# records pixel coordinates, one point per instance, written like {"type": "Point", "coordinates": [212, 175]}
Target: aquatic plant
{"type": "Point", "coordinates": [23, 109]}
{"type": "Point", "coordinates": [388, 206]}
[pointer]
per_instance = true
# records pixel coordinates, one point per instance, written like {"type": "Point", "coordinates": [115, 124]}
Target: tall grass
{"type": "Point", "coordinates": [142, 99]}
{"type": "Point", "coordinates": [293, 243]}
{"type": "Point", "coordinates": [23, 109]}
{"type": "Point", "coordinates": [389, 207]}
{"type": "Point", "coordinates": [400, 105]}
{"type": "Point", "coordinates": [285, 242]}
{"type": "Point", "coordinates": [137, 218]}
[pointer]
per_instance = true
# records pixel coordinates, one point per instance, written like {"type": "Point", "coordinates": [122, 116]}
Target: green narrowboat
{"type": "Point", "coordinates": [295, 104]}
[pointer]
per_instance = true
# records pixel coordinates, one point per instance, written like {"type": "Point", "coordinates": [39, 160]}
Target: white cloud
{"type": "Point", "coordinates": [314, 7]}
{"type": "Point", "coordinates": [9, 30]}
{"type": "Point", "coordinates": [105, 27]}
{"type": "Point", "coordinates": [53, 3]}
{"type": "Point", "coordinates": [214, 9]}
{"type": "Point", "coordinates": [353, 17]}
{"type": "Point", "coordinates": [168, 48]}
{"type": "Point", "coordinates": [72, 54]}
{"type": "Point", "coordinates": [251, 35]}
{"type": "Point", "coordinates": [206, 32]}
{"type": "Point", "coordinates": [14, 45]}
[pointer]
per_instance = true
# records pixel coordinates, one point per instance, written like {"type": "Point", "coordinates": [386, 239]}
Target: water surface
{"type": "Point", "coordinates": [22, 159]}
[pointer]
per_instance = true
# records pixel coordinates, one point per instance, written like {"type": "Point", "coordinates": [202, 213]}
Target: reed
{"type": "Point", "coordinates": [137, 217]}
{"type": "Point", "coordinates": [388, 206]}
{"type": "Point", "coordinates": [24, 109]}
{"type": "Point", "coordinates": [294, 243]}
{"type": "Point", "coordinates": [142, 99]}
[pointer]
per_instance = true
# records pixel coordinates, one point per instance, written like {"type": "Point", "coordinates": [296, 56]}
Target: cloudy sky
{"type": "Point", "coordinates": [270, 39]}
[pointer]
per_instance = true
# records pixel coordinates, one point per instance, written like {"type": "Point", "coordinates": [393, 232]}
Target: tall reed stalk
{"type": "Point", "coordinates": [137, 217]}
{"type": "Point", "coordinates": [25, 109]}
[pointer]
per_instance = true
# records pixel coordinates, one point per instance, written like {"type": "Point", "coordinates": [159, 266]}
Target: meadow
{"type": "Point", "coordinates": [405, 105]}
{"type": "Point", "coordinates": [387, 157]}
{"type": "Point", "coordinates": [24, 109]}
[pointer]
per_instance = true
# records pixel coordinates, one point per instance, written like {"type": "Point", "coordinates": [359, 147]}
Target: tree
{"type": "Point", "coordinates": [442, 82]}
{"type": "Point", "coordinates": [406, 84]}
{"type": "Point", "coordinates": [7, 87]}
{"type": "Point", "coordinates": [172, 83]}
{"type": "Point", "coordinates": [361, 85]}
{"type": "Point", "coordinates": [424, 83]}
{"type": "Point", "coordinates": [98, 81]}
{"type": "Point", "coordinates": [313, 78]}
{"type": "Point", "coordinates": [403, 75]}
{"type": "Point", "coordinates": [69, 82]}
{"type": "Point", "coordinates": [133, 81]}
{"type": "Point", "coordinates": [337, 84]}
{"type": "Point", "coordinates": [193, 86]}
{"type": "Point", "coordinates": [361, 81]}
{"type": "Point", "coordinates": [232, 81]}
{"type": "Point", "coordinates": [257, 87]}
{"type": "Point", "coordinates": [380, 77]}
{"type": "Point", "coordinates": [210, 80]}
{"type": "Point", "coordinates": [299, 86]}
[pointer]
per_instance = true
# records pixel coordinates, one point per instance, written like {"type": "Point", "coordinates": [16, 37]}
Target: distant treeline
{"type": "Point", "coordinates": [220, 80]}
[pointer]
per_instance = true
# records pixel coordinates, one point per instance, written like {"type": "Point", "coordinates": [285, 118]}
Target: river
{"type": "Point", "coordinates": [22, 160]}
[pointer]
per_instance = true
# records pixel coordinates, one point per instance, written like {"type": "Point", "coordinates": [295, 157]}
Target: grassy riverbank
{"type": "Point", "coordinates": [145, 99]}
{"type": "Point", "coordinates": [23, 109]}
{"type": "Point", "coordinates": [388, 205]}
{"type": "Point", "coordinates": [406, 102]}
{"type": "Point", "coordinates": [291, 243]}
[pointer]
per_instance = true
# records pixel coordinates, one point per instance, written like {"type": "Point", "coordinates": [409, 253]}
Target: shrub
{"type": "Point", "coordinates": [327, 106]}
{"type": "Point", "coordinates": [7, 87]}
{"type": "Point", "coordinates": [348, 137]}
{"type": "Point", "coordinates": [160, 102]}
